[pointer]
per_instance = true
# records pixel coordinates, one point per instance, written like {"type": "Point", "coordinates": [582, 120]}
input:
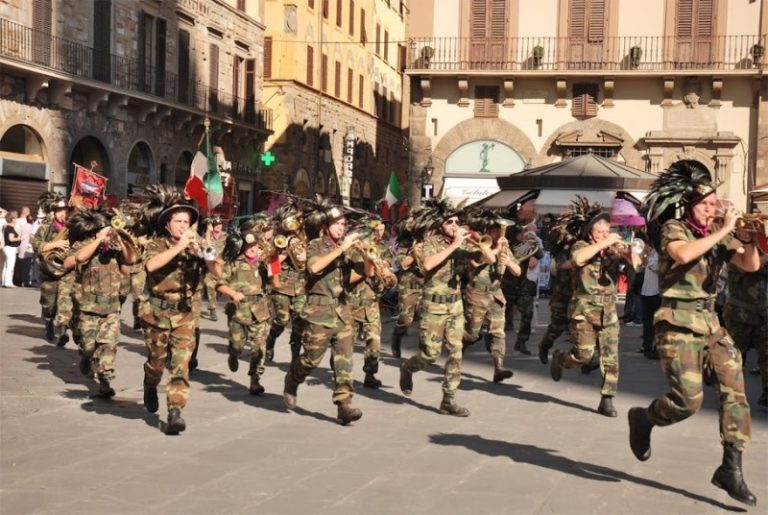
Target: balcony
{"type": "Point", "coordinates": [41, 50]}
{"type": "Point", "coordinates": [555, 55]}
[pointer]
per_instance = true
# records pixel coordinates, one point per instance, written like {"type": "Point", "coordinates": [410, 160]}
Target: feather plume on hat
{"type": "Point", "coordinates": [576, 222]}
{"type": "Point", "coordinates": [50, 201]}
{"type": "Point", "coordinates": [86, 222]}
{"type": "Point", "coordinates": [684, 183]}
{"type": "Point", "coordinates": [161, 202]}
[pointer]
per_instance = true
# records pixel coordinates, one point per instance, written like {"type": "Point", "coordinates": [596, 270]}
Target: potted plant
{"type": "Point", "coordinates": [426, 55]}
{"type": "Point", "coordinates": [757, 51]}
{"type": "Point", "coordinates": [635, 53]}
{"type": "Point", "coordinates": [538, 55]}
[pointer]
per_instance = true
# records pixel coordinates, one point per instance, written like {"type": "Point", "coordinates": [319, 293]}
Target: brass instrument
{"type": "Point", "coordinates": [118, 222]}
{"type": "Point", "coordinates": [52, 261]}
{"type": "Point", "coordinates": [482, 242]}
{"type": "Point", "coordinates": [636, 247]}
{"type": "Point", "coordinates": [291, 223]}
{"type": "Point", "coordinates": [527, 248]}
{"type": "Point", "coordinates": [281, 241]}
{"type": "Point", "coordinates": [297, 245]}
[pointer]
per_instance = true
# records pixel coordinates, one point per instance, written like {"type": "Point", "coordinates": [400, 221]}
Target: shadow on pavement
{"type": "Point", "coordinates": [237, 392]}
{"type": "Point", "coordinates": [381, 394]}
{"type": "Point", "coordinates": [547, 458]}
{"type": "Point", "coordinates": [123, 408]}
{"type": "Point", "coordinates": [26, 317]}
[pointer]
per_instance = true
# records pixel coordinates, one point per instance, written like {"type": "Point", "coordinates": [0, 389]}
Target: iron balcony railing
{"type": "Point", "coordinates": [41, 49]}
{"type": "Point", "coordinates": [639, 53]}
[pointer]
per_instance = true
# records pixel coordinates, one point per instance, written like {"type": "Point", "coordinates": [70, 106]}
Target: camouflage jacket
{"type": "Point", "coordinates": [442, 284]}
{"type": "Point", "coordinates": [292, 280]}
{"type": "Point", "coordinates": [250, 280]}
{"type": "Point", "coordinates": [369, 289]}
{"type": "Point", "coordinates": [409, 277]}
{"type": "Point", "coordinates": [180, 279]}
{"type": "Point", "coordinates": [594, 284]}
{"type": "Point", "coordinates": [561, 281]}
{"type": "Point", "coordinates": [747, 295]}
{"type": "Point", "coordinates": [326, 291]}
{"type": "Point", "coordinates": [100, 279]}
{"type": "Point", "coordinates": [484, 282]}
{"type": "Point", "coordinates": [45, 233]}
{"type": "Point", "coordinates": [694, 281]}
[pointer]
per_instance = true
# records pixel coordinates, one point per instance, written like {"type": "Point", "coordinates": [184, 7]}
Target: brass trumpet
{"type": "Point", "coordinates": [281, 241]}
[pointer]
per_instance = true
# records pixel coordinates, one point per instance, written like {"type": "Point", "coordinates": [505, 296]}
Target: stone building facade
{"type": "Point", "coordinates": [128, 85]}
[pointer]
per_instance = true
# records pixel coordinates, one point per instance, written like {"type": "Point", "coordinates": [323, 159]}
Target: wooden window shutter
{"type": "Point", "coordinates": [310, 65]}
{"type": "Point", "coordinates": [577, 18]}
{"type": "Point", "coordinates": [386, 45]}
{"type": "Point", "coordinates": [384, 104]}
{"type": "Point", "coordinates": [498, 18]}
{"type": "Point", "coordinates": [378, 39]}
{"type": "Point", "coordinates": [684, 18]}
{"type": "Point", "coordinates": [376, 104]}
{"type": "Point", "coordinates": [326, 8]}
{"type": "Point", "coordinates": [102, 36]}
{"type": "Point", "coordinates": [160, 46]}
{"type": "Point", "coordinates": [402, 57]}
{"type": "Point", "coordinates": [361, 92]}
{"type": "Point", "coordinates": [268, 57]}
{"type": "Point", "coordinates": [250, 87]}
{"type": "Point", "coordinates": [236, 75]}
{"type": "Point", "coordinates": [337, 78]}
{"type": "Point", "coordinates": [324, 73]}
{"type": "Point", "coordinates": [338, 12]}
{"type": "Point", "coordinates": [350, 84]}
{"type": "Point", "coordinates": [41, 38]}
{"type": "Point", "coordinates": [478, 15]}
{"type": "Point", "coordinates": [596, 29]}
{"type": "Point", "coordinates": [486, 101]}
{"type": "Point", "coordinates": [311, 4]}
{"type": "Point", "coordinates": [363, 35]}
{"type": "Point", "coordinates": [584, 103]}
{"type": "Point", "coordinates": [704, 18]}
{"type": "Point", "coordinates": [183, 66]}
{"type": "Point", "coordinates": [214, 66]}
{"type": "Point", "coordinates": [351, 17]}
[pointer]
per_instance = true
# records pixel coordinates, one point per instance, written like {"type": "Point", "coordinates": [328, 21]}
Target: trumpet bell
{"type": "Point", "coordinates": [281, 241]}
{"type": "Point", "coordinates": [637, 246]}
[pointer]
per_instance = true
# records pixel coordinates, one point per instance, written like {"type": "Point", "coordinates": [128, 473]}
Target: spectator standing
{"type": "Point", "coordinates": [21, 273]}
{"type": "Point", "coordinates": [12, 241]}
{"type": "Point", "coordinates": [650, 300]}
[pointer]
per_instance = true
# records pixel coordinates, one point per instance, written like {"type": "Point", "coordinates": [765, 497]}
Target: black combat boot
{"type": "Point", "coordinates": [105, 389]}
{"type": "Point", "coordinates": [522, 349]}
{"type": "Point", "coordinates": [406, 381]}
{"type": "Point", "coordinates": [233, 362]}
{"type": "Point", "coordinates": [370, 368]}
{"type": "Point", "coordinates": [543, 353]}
{"type": "Point", "coordinates": [62, 338]}
{"type": "Point", "coordinates": [85, 366]}
{"type": "Point", "coordinates": [212, 314]}
{"type": "Point", "coordinates": [150, 398]}
{"type": "Point", "coordinates": [640, 426]}
{"type": "Point", "coordinates": [555, 370]}
{"type": "Point", "coordinates": [295, 351]}
{"type": "Point", "coordinates": [49, 332]}
{"type": "Point", "coordinates": [346, 414]}
{"type": "Point", "coordinates": [729, 477]}
{"type": "Point", "coordinates": [606, 406]}
{"type": "Point", "coordinates": [499, 372]}
{"type": "Point", "coordinates": [449, 407]}
{"type": "Point", "coordinates": [290, 391]}
{"type": "Point", "coordinates": [397, 338]}
{"type": "Point", "coordinates": [176, 424]}
{"type": "Point", "coordinates": [255, 388]}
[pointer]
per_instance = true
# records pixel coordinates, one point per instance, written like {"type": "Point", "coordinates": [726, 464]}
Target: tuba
{"type": "Point", "coordinates": [51, 262]}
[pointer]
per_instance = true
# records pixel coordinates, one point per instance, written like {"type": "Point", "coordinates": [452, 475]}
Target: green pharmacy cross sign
{"type": "Point", "coordinates": [267, 158]}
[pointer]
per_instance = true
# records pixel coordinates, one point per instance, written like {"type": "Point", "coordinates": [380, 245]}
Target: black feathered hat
{"type": "Point", "coordinates": [51, 201]}
{"type": "Point", "coordinates": [85, 222]}
{"type": "Point", "coordinates": [577, 222]}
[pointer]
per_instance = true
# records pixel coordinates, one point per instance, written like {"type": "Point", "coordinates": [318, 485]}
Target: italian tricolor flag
{"type": "Point", "coordinates": [393, 194]}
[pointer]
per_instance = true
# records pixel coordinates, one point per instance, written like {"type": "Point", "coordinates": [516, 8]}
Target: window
{"type": "Point", "coordinates": [363, 35]}
{"type": "Point", "coordinates": [351, 17]}
{"type": "Point", "coordinates": [237, 69]}
{"type": "Point", "coordinates": [324, 73]}
{"type": "Point", "coordinates": [241, 5]}
{"type": "Point", "coordinates": [326, 8]}
{"type": "Point", "coordinates": [361, 93]}
{"type": "Point", "coordinates": [488, 31]}
{"type": "Point", "coordinates": [386, 45]}
{"type": "Point", "coordinates": [267, 57]}
{"type": "Point", "coordinates": [384, 104]}
{"type": "Point", "coordinates": [350, 85]}
{"type": "Point", "coordinates": [337, 81]}
{"type": "Point", "coordinates": [584, 103]}
{"type": "Point", "coordinates": [487, 101]}
{"type": "Point", "coordinates": [183, 66]}
{"type": "Point", "coordinates": [694, 31]}
{"type": "Point", "coordinates": [311, 4]}
{"type": "Point", "coordinates": [250, 88]}
{"type": "Point", "coordinates": [378, 39]}
{"type": "Point", "coordinates": [310, 66]}
{"type": "Point", "coordinates": [213, 74]}
{"type": "Point", "coordinates": [338, 13]}
{"type": "Point", "coordinates": [586, 32]}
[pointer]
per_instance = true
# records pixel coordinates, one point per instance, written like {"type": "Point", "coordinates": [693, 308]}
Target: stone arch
{"type": "Point", "coordinates": [181, 168]}
{"type": "Point", "coordinates": [140, 166]}
{"type": "Point", "coordinates": [632, 156]}
{"type": "Point", "coordinates": [23, 139]}
{"type": "Point", "coordinates": [480, 128]}
{"type": "Point", "coordinates": [301, 183]}
{"type": "Point", "coordinates": [89, 147]}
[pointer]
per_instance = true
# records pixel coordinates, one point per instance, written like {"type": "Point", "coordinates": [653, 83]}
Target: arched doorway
{"type": "Point", "coordinates": [23, 167]}
{"type": "Point", "coordinates": [91, 153]}
{"type": "Point", "coordinates": [141, 167]}
{"type": "Point", "coordinates": [301, 183]}
{"type": "Point", "coordinates": [181, 170]}
{"type": "Point", "coordinates": [472, 168]}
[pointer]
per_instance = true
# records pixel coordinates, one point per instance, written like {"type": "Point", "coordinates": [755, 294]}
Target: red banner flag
{"type": "Point", "coordinates": [88, 188]}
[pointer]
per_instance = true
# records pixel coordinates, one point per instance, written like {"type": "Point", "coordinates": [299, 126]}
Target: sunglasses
{"type": "Point", "coordinates": [451, 222]}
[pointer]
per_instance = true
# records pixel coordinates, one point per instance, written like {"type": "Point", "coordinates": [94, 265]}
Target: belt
{"type": "Point", "coordinates": [602, 299]}
{"type": "Point", "coordinates": [321, 300]}
{"type": "Point", "coordinates": [689, 305]}
{"type": "Point", "coordinates": [184, 305]}
{"type": "Point", "coordinates": [485, 289]}
{"type": "Point", "coordinates": [441, 299]}
{"type": "Point", "coordinates": [289, 272]}
{"type": "Point", "coordinates": [253, 298]}
{"type": "Point", "coordinates": [99, 299]}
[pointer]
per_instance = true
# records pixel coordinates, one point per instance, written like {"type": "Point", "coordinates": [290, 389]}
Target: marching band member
{"type": "Point", "coordinates": [215, 238]}
{"type": "Point", "coordinates": [483, 298]}
{"type": "Point", "coordinates": [410, 279]}
{"type": "Point", "coordinates": [100, 258]}
{"type": "Point", "coordinates": [327, 313]}
{"type": "Point", "coordinates": [562, 290]}
{"type": "Point", "coordinates": [594, 322]}
{"type": "Point", "coordinates": [692, 346]}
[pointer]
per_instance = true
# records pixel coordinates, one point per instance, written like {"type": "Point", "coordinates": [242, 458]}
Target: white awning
{"type": "Point", "coordinates": [457, 189]}
{"type": "Point", "coordinates": [557, 201]}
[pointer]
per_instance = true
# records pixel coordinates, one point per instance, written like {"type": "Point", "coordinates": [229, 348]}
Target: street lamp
{"type": "Point", "coordinates": [426, 177]}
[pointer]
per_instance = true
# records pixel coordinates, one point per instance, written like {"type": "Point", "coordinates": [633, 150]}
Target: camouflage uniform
{"type": "Point", "coordinates": [210, 282]}
{"type": "Point", "coordinates": [249, 319]}
{"type": "Point", "coordinates": [409, 289]}
{"type": "Point", "coordinates": [746, 315]}
{"type": "Point", "coordinates": [691, 342]}
{"type": "Point", "coordinates": [49, 285]}
{"type": "Point", "coordinates": [441, 314]}
{"type": "Point", "coordinates": [98, 310]}
{"type": "Point", "coordinates": [562, 291]}
{"type": "Point", "coordinates": [288, 298]}
{"type": "Point", "coordinates": [138, 280]}
{"type": "Point", "coordinates": [592, 316]}
{"type": "Point", "coordinates": [328, 320]}
{"type": "Point", "coordinates": [484, 300]}
{"type": "Point", "coordinates": [519, 292]}
{"type": "Point", "coordinates": [169, 320]}
{"type": "Point", "coordinates": [364, 302]}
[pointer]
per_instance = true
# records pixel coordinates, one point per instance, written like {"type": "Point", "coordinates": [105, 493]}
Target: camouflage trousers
{"type": "Point", "coordinates": [408, 302]}
{"type": "Point", "coordinates": [523, 302]}
{"type": "Point", "coordinates": [436, 330]}
{"type": "Point", "coordinates": [687, 359]}
{"type": "Point", "coordinates": [586, 338]}
{"type": "Point", "coordinates": [748, 335]}
{"type": "Point", "coordinates": [48, 294]}
{"type": "Point", "coordinates": [476, 314]}
{"type": "Point", "coordinates": [209, 282]}
{"type": "Point", "coordinates": [254, 333]}
{"type": "Point", "coordinates": [558, 322]}
{"type": "Point", "coordinates": [315, 340]}
{"type": "Point", "coordinates": [368, 319]}
{"type": "Point", "coordinates": [64, 303]}
{"type": "Point", "coordinates": [98, 339]}
{"type": "Point", "coordinates": [286, 308]}
{"type": "Point", "coordinates": [172, 349]}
